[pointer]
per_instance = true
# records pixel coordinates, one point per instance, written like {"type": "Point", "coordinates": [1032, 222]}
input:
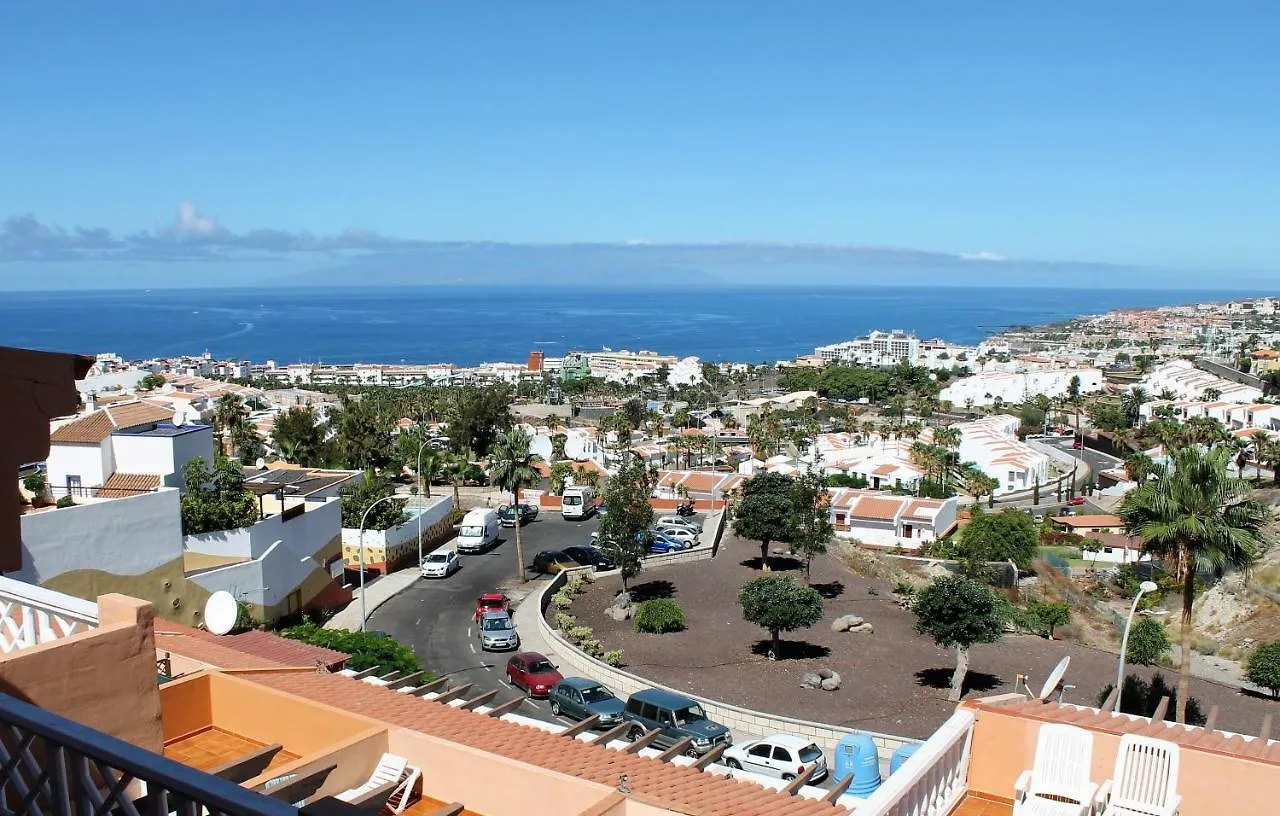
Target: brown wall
{"type": "Point", "coordinates": [149, 586]}
{"type": "Point", "coordinates": [268, 716]}
{"type": "Point", "coordinates": [185, 706]}
{"type": "Point", "coordinates": [1004, 745]}
{"type": "Point", "coordinates": [104, 678]}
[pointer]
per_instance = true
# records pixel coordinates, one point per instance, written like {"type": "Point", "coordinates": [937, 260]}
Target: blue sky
{"type": "Point", "coordinates": [1134, 133]}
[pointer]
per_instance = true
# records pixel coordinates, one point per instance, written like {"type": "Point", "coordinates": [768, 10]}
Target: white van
{"type": "Point", "coordinates": [577, 502]}
{"type": "Point", "coordinates": [478, 530]}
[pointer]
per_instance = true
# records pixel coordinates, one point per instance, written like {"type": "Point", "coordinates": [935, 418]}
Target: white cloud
{"type": "Point", "coordinates": [190, 222]}
{"type": "Point", "coordinates": [982, 256]}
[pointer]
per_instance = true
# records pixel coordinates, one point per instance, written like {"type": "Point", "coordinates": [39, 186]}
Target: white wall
{"type": "Point", "coordinates": [439, 508]}
{"type": "Point", "coordinates": [306, 534]}
{"type": "Point", "coordinates": [92, 463]}
{"type": "Point", "coordinates": [128, 536]}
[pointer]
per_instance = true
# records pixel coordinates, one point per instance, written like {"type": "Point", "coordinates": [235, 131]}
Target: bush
{"type": "Point", "coordinates": [1051, 615]}
{"type": "Point", "coordinates": [578, 634]}
{"type": "Point", "coordinates": [574, 585]}
{"type": "Point", "coordinates": [659, 616]}
{"type": "Point", "coordinates": [904, 588]}
{"type": "Point", "coordinates": [591, 647]}
{"type": "Point", "coordinates": [565, 621]}
{"type": "Point", "coordinates": [366, 648]}
{"type": "Point", "coordinates": [1205, 646]}
{"type": "Point", "coordinates": [65, 501]}
{"type": "Point", "coordinates": [613, 657]}
{"type": "Point", "coordinates": [1141, 698]}
{"type": "Point", "coordinates": [1148, 643]}
{"type": "Point", "coordinates": [562, 600]}
{"type": "Point", "coordinates": [1263, 667]}
{"type": "Point", "coordinates": [35, 485]}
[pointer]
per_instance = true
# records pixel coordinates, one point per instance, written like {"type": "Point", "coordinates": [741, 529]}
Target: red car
{"type": "Point", "coordinates": [492, 602]}
{"type": "Point", "coordinates": [1077, 446]}
{"type": "Point", "coordinates": [532, 672]}
{"type": "Point", "coordinates": [1077, 501]}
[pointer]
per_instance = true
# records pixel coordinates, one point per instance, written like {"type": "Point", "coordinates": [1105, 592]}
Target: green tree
{"type": "Point", "coordinates": [299, 437]}
{"type": "Point", "coordinates": [1009, 535]}
{"type": "Point", "coordinates": [434, 465]}
{"type": "Point", "coordinates": [623, 528]}
{"type": "Point", "coordinates": [476, 416]}
{"type": "Point", "coordinates": [1139, 467]}
{"type": "Point", "coordinates": [512, 467]}
{"type": "Point", "coordinates": [1051, 616]}
{"type": "Point", "coordinates": [1263, 667]}
{"type": "Point", "coordinates": [356, 500]}
{"type": "Point", "coordinates": [229, 414]}
{"type": "Point", "coordinates": [1196, 518]}
{"type": "Point", "coordinates": [557, 447]}
{"type": "Point", "coordinates": [560, 473]}
{"type": "Point", "coordinates": [457, 469]}
{"type": "Point", "coordinates": [151, 382]}
{"type": "Point", "coordinates": [811, 527]}
{"type": "Point", "coordinates": [778, 604]}
{"type": "Point", "coordinates": [1073, 388]}
{"type": "Point", "coordinates": [362, 434]}
{"type": "Point", "coordinates": [36, 485]}
{"type": "Point", "coordinates": [215, 499]}
{"type": "Point", "coordinates": [1148, 643]}
{"type": "Point", "coordinates": [367, 649]}
{"type": "Point", "coordinates": [1131, 403]}
{"type": "Point", "coordinates": [764, 513]}
{"type": "Point", "coordinates": [958, 612]}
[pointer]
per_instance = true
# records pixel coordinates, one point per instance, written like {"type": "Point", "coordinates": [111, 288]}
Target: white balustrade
{"type": "Point", "coordinates": [31, 615]}
{"type": "Point", "coordinates": [932, 781]}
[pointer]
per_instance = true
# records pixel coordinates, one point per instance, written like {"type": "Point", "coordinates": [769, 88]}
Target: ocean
{"type": "Point", "coordinates": [467, 326]}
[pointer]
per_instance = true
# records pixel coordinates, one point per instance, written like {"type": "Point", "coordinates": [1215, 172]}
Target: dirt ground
{"type": "Point", "coordinates": [894, 681]}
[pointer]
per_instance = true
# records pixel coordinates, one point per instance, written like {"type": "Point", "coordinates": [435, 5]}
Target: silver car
{"type": "Point", "coordinates": [498, 632]}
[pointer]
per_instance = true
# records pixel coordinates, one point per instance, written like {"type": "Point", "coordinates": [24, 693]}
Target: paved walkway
{"type": "Point", "coordinates": [526, 617]}
{"type": "Point", "coordinates": [377, 593]}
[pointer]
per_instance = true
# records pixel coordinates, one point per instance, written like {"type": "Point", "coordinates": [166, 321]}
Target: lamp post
{"type": "Point", "coordinates": [1143, 589]}
{"type": "Point", "coordinates": [363, 519]}
{"type": "Point", "coordinates": [421, 448]}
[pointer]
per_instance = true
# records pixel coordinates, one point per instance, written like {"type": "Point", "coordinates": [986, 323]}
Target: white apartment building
{"type": "Point", "coordinates": [884, 521]}
{"type": "Point", "coordinates": [1012, 387]}
{"type": "Point", "coordinates": [1187, 382]}
{"type": "Point", "coordinates": [878, 348]}
{"type": "Point", "coordinates": [992, 444]}
{"type": "Point", "coordinates": [360, 374]}
{"type": "Point", "coordinates": [609, 364]}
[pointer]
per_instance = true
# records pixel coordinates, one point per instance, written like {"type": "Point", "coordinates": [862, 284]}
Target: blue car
{"type": "Point", "coordinates": [659, 544]}
{"type": "Point", "coordinates": [602, 509]}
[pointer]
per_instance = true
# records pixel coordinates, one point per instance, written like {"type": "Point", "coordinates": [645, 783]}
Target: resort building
{"type": "Point", "coordinates": [883, 520]}
{"type": "Point", "coordinates": [1186, 382]}
{"type": "Point", "coordinates": [992, 444]}
{"type": "Point", "coordinates": [988, 388]}
{"type": "Point", "coordinates": [879, 348]}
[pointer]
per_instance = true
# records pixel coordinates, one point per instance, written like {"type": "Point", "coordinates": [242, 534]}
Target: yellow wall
{"type": "Point", "coordinates": [161, 586]}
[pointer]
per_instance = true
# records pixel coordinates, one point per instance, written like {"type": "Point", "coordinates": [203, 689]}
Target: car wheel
{"type": "Point", "coordinates": [788, 777]}
{"type": "Point", "coordinates": [692, 752]}
{"type": "Point", "coordinates": [555, 709]}
{"type": "Point", "coordinates": [734, 764]}
{"type": "Point", "coordinates": [635, 733]}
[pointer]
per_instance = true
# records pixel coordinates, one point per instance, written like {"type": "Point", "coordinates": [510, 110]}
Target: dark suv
{"type": "Point", "coordinates": [589, 556]}
{"type": "Point", "coordinates": [677, 717]}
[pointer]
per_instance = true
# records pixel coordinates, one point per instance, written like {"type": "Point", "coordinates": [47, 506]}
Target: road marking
{"type": "Point", "coordinates": [535, 705]}
{"type": "Point", "coordinates": [468, 631]}
{"type": "Point", "coordinates": [473, 647]}
{"type": "Point", "coordinates": [418, 622]}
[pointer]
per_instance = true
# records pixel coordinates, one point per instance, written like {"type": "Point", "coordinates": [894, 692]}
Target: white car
{"type": "Point", "coordinates": [441, 564]}
{"type": "Point", "coordinates": [679, 521]}
{"type": "Point", "coordinates": [781, 756]}
{"type": "Point", "coordinates": [686, 537]}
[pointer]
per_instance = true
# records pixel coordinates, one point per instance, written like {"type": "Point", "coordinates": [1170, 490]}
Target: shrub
{"type": "Point", "coordinates": [904, 588]}
{"type": "Point", "coordinates": [1051, 615]}
{"type": "Point", "coordinates": [613, 657]}
{"type": "Point", "coordinates": [565, 621]}
{"type": "Point", "coordinates": [592, 647]}
{"type": "Point", "coordinates": [1263, 667]}
{"type": "Point", "coordinates": [1148, 643]}
{"type": "Point", "coordinates": [659, 616]}
{"type": "Point", "coordinates": [1142, 698]}
{"type": "Point", "coordinates": [578, 634]}
{"type": "Point", "coordinates": [367, 649]}
{"type": "Point", "coordinates": [35, 485]}
{"type": "Point", "coordinates": [561, 600]}
{"type": "Point", "coordinates": [65, 501]}
{"type": "Point", "coordinates": [1205, 646]}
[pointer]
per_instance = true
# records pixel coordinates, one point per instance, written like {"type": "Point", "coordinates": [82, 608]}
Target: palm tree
{"type": "Point", "coordinates": [948, 439]}
{"type": "Point", "coordinates": [1197, 517]}
{"type": "Point", "coordinates": [511, 467]}
{"type": "Point", "coordinates": [433, 466]}
{"type": "Point", "coordinates": [1258, 441]}
{"type": "Point", "coordinates": [455, 470]}
{"type": "Point", "coordinates": [554, 423]}
{"type": "Point", "coordinates": [1139, 467]}
{"type": "Point", "coordinates": [976, 483]}
{"type": "Point", "coordinates": [228, 412]}
{"type": "Point", "coordinates": [1131, 403]}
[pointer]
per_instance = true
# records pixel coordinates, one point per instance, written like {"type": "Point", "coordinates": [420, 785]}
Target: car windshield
{"type": "Point", "coordinates": [471, 531]}
{"type": "Point", "coordinates": [597, 694]}
{"type": "Point", "coordinates": [490, 603]}
{"type": "Point", "coordinates": [437, 558]}
{"type": "Point", "coordinates": [693, 713]}
{"type": "Point", "coordinates": [541, 667]}
{"type": "Point", "coordinates": [496, 624]}
{"type": "Point", "coordinates": [810, 753]}
{"type": "Point", "coordinates": [571, 501]}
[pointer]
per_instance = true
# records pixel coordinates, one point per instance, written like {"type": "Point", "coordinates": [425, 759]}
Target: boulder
{"type": "Point", "coordinates": [831, 683]}
{"type": "Point", "coordinates": [622, 599]}
{"type": "Point", "coordinates": [863, 627]}
{"type": "Point", "coordinates": [826, 674]}
{"type": "Point", "coordinates": [840, 624]}
{"type": "Point", "coordinates": [810, 680]}
{"type": "Point", "coordinates": [853, 620]}
{"type": "Point", "coordinates": [618, 613]}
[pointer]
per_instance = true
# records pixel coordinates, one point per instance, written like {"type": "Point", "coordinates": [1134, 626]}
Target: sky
{"type": "Point", "coordinates": [144, 137]}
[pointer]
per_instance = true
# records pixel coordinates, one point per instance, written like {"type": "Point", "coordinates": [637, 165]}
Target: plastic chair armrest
{"type": "Point", "coordinates": [1174, 804]}
{"type": "Point", "coordinates": [1022, 786]}
{"type": "Point", "coordinates": [1103, 797]}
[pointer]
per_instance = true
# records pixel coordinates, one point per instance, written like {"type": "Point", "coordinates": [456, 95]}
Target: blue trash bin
{"type": "Point", "coordinates": [856, 755]}
{"type": "Point", "coordinates": [900, 756]}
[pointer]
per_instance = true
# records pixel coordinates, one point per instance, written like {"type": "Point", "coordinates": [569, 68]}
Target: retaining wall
{"type": "Point", "coordinates": [745, 723]}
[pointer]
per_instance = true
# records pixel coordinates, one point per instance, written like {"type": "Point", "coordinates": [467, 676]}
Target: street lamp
{"type": "Point", "coordinates": [421, 448]}
{"type": "Point", "coordinates": [363, 519]}
{"type": "Point", "coordinates": [1143, 589]}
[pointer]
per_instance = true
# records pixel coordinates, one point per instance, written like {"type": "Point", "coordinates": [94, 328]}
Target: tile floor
{"type": "Point", "coordinates": [426, 806]}
{"type": "Point", "coordinates": [972, 805]}
{"type": "Point", "coordinates": [213, 747]}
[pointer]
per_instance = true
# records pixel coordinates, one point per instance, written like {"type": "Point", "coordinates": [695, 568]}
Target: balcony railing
{"type": "Point", "coordinates": [52, 766]}
{"type": "Point", "coordinates": [933, 780]}
{"type": "Point", "coordinates": [31, 615]}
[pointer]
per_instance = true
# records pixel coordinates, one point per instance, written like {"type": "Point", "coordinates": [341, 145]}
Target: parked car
{"type": "Point", "coordinates": [602, 509]}
{"type": "Point", "coordinates": [478, 531]}
{"type": "Point", "coordinates": [553, 561]}
{"type": "Point", "coordinates": [491, 602]}
{"type": "Point", "coordinates": [589, 556]}
{"type": "Point", "coordinates": [676, 717]}
{"type": "Point", "coordinates": [577, 502]}
{"type": "Point", "coordinates": [687, 538]}
{"type": "Point", "coordinates": [1077, 501]}
{"type": "Point", "coordinates": [579, 697]}
{"type": "Point", "coordinates": [498, 631]}
{"type": "Point", "coordinates": [441, 564]}
{"type": "Point", "coordinates": [678, 521]}
{"type": "Point", "coordinates": [781, 756]}
{"type": "Point", "coordinates": [1077, 445]}
{"type": "Point", "coordinates": [533, 673]}
{"type": "Point", "coordinates": [658, 544]}
{"type": "Point", "coordinates": [684, 545]}
{"type": "Point", "coordinates": [507, 514]}
{"type": "Point", "coordinates": [1066, 511]}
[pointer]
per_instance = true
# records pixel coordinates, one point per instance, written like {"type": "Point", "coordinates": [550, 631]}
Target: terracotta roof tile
{"type": "Point", "coordinates": [680, 788]}
{"type": "Point", "coordinates": [210, 653]}
{"type": "Point", "coordinates": [254, 649]}
{"type": "Point", "coordinates": [881, 509]}
{"type": "Point", "coordinates": [285, 651]}
{"type": "Point", "coordinates": [93, 428]}
{"type": "Point", "coordinates": [123, 485]}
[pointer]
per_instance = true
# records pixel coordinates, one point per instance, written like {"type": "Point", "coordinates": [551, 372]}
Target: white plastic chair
{"type": "Point", "coordinates": [399, 798]}
{"type": "Point", "coordinates": [390, 770]}
{"type": "Point", "coordinates": [1145, 782]}
{"type": "Point", "coordinates": [1058, 782]}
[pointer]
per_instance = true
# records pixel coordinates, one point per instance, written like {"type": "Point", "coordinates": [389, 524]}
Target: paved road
{"type": "Point", "coordinates": [435, 617]}
{"type": "Point", "coordinates": [1096, 460]}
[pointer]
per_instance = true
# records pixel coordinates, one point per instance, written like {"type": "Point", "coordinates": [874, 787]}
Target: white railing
{"type": "Point", "coordinates": [31, 615]}
{"type": "Point", "coordinates": [933, 780]}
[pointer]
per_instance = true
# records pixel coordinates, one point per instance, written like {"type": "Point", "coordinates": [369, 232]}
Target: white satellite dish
{"type": "Point", "coordinates": [261, 463]}
{"type": "Point", "coordinates": [179, 419]}
{"type": "Point", "coordinates": [1055, 677]}
{"type": "Point", "coordinates": [220, 612]}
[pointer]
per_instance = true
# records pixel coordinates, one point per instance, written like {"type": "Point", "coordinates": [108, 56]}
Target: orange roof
{"type": "Point", "coordinates": [209, 652]}
{"type": "Point", "coordinates": [691, 432]}
{"type": "Point", "coordinates": [884, 470]}
{"type": "Point", "coordinates": [679, 788]}
{"type": "Point", "coordinates": [92, 428]}
{"type": "Point", "coordinates": [122, 485]}
{"type": "Point", "coordinates": [246, 650]}
{"type": "Point", "coordinates": [923, 509]}
{"type": "Point", "coordinates": [874, 508]}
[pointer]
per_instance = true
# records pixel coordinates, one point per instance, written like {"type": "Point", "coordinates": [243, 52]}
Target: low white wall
{"type": "Point", "coordinates": [745, 723]}
{"type": "Point", "coordinates": [436, 510]}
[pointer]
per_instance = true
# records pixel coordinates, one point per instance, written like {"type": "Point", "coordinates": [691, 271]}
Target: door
{"type": "Point", "coordinates": [572, 702]}
{"type": "Point", "coordinates": [760, 759]}
{"type": "Point", "coordinates": [783, 763]}
{"type": "Point", "coordinates": [515, 672]}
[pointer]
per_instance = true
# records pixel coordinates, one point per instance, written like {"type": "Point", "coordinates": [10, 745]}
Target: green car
{"type": "Point", "coordinates": [579, 697]}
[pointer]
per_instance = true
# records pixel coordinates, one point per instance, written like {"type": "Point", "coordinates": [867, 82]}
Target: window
{"type": "Point", "coordinates": [571, 500]}
{"type": "Point", "coordinates": [810, 753]}
{"type": "Point", "coordinates": [471, 531]}
{"type": "Point", "coordinates": [781, 754]}
{"type": "Point", "coordinates": [761, 751]}
{"type": "Point", "coordinates": [693, 713]}
{"type": "Point", "coordinates": [597, 694]}
{"type": "Point", "coordinates": [649, 711]}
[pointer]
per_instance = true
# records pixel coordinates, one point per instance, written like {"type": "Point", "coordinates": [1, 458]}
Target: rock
{"type": "Point", "coordinates": [622, 599]}
{"type": "Point", "coordinates": [826, 674]}
{"type": "Point", "coordinates": [618, 613]}
{"type": "Point", "coordinates": [840, 624]}
{"type": "Point", "coordinates": [862, 627]}
{"type": "Point", "coordinates": [831, 683]}
{"type": "Point", "coordinates": [810, 680]}
{"type": "Point", "coordinates": [853, 620]}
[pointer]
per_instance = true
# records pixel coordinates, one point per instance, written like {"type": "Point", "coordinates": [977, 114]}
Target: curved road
{"type": "Point", "coordinates": [434, 617]}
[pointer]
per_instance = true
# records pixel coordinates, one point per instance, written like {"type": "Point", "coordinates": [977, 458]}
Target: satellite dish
{"type": "Point", "coordinates": [261, 463]}
{"type": "Point", "coordinates": [179, 419]}
{"type": "Point", "coordinates": [220, 612]}
{"type": "Point", "coordinates": [1055, 677]}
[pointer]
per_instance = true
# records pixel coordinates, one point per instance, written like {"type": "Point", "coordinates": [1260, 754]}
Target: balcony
{"type": "Point", "coordinates": [32, 615]}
